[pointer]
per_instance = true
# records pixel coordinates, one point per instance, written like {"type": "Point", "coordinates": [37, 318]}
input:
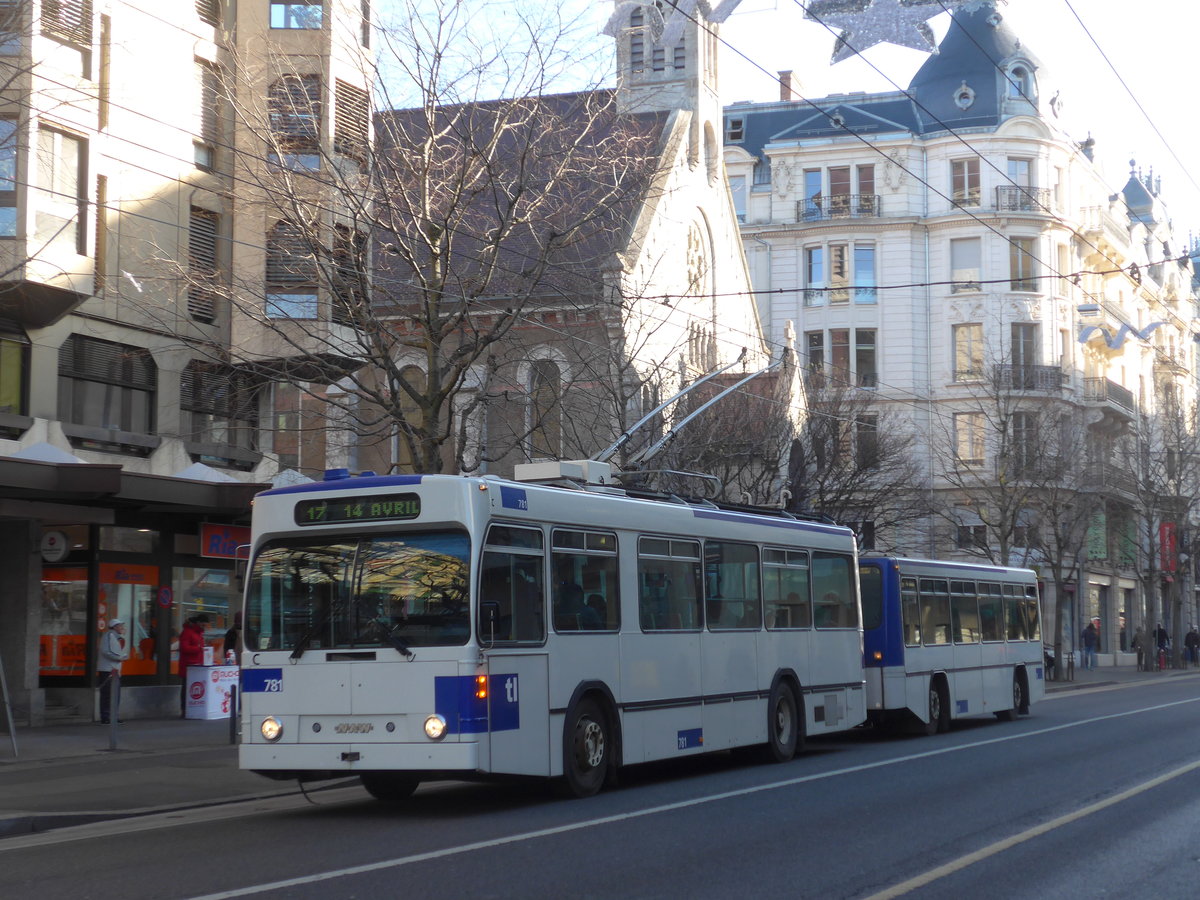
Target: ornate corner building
{"type": "Point", "coordinates": [949, 248]}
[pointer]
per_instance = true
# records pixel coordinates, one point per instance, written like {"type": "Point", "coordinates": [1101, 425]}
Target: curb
{"type": "Point", "coordinates": [39, 823]}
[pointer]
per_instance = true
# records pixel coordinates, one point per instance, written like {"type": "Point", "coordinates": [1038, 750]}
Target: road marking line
{"type": "Point", "coordinates": [397, 862]}
{"type": "Point", "coordinates": [970, 859]}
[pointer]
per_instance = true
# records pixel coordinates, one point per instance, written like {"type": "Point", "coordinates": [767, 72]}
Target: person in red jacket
{"type": "Point", "coordinates": [191, 653]}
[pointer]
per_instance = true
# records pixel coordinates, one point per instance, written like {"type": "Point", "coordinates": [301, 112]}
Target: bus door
{"type": "Point", "coordinates": [518, 714]}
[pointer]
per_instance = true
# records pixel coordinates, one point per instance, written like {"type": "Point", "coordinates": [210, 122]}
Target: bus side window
{"type": "Point", "coordinates": [910, 612]}
{"type": "Point", "coordinates": [935, 611]}
{"type": "Point", "coordinates": [512, 579]}
{"type": "Point", "coordinates": [668, 585]}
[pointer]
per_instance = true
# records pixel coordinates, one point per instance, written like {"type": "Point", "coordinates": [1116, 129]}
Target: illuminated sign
{"type": "Point", "coordinates": [343, 510]}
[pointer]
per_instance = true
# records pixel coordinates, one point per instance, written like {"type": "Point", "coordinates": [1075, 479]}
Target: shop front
{"type": "Point", "coordinates": [150, 550]}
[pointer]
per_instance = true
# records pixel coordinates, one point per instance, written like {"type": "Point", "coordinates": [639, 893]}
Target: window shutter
{"type": "Point", "coordinates": [295, 111]}
{"type": "Point", "coordinates": [352, 112]}
{"type": "Point", "coordinates": [96, 360]}
{"type": "Point", "coordinates": [202, 259]}
{"type": "Point", "coordinates": [68, 20]}
{"type": "Point", "coordinates": [209, 11]}
{"type": "Point", "coordinates": [290, 260]}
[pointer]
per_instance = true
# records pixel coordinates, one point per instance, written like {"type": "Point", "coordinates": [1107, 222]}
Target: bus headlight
{"type": "Point", "coordinates": [435, 727]}
{"type": "Point", "coordinates": [271, 728]}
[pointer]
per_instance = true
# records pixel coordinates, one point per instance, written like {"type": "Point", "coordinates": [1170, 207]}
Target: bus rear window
{"type": "Point", "coordinates": [870, 583]}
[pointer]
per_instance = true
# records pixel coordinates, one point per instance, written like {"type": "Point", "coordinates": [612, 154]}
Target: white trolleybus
{"type": "Point", "coordinates": [405, 628]}
{"type": "Point", "coordinates": [946, 640]}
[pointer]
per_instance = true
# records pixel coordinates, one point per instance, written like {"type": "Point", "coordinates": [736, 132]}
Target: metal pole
{"type": "Point", "coordinates": [12, 731]}
{"type": "Point", "coordinates": [233, 714]}
{"type": "Point", "coordinates": [114, 697]}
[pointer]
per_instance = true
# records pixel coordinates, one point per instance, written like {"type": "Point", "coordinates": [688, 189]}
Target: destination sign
{"type": "Point", "coordinates": [339, 510]}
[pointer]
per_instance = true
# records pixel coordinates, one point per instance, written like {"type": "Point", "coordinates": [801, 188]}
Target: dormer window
{"type": "Point", "coordinates": [735, 130]}
{"type": "Point", "coordinates": [1020, 83]}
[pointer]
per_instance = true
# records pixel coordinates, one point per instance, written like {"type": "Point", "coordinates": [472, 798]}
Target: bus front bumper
{"type": "Point", "coordinates": [350, 758]}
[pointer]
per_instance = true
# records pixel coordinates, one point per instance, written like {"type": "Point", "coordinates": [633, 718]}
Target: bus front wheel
{"type": "Point", "coordinates": [783, 724]}
{"type": "Point", "coordinates": [586, 750]}
{"type": "Point", "coordinates": [390, 787]}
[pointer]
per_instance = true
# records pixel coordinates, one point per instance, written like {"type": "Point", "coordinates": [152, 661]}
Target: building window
{"type": "Point", "coordinates": [839, 355]}
{"type": "Point", "coordinates": [545, 410]}
{"type": "Point", "coordinates": [828, 278]}
{"type": "Point", "coordinates": [637, 45]}
{"type": "Point", "coordinates": [219, 405]}
{"type": "Point", "coordinates": [1023, 454]}
{"type": "Point", "coordinates": [1026, 358]}
{"type": "Point", "coordinates": [737, 188]}
{"type": "Point", "coordinates": [968, 352]}
{"type": "Point", "coordinates": [964, 265]}
{"type": "Point", "coordinates": [864, 274]}
{"type": "Point", "coordinates": [658, 59]}
{"type": "Point", "coordinates": [203, 264]}
{"type": "Point", "coordinates": [762, 171]}
{"type": "Point", "coordinates": [301, 14]}
{"type": "Point", "coordinates": [814, 342]}
{"type": "Point", "coordinates": [106, 385]}
{"type": "Point", "coordinates": [866, 372]}
{"type": "Point", "coordinates": [866, 442]}
{"type": "Point", "coordinates": [968, 438]}
{"type": "Point", "coordinates": [11, 27]}
{"type": "Point", "coordinates": [1022, 264]}
{"type": "Point", "coordinates": [291, 274]}
{"type": "Point", "coordinates": [294, 105]}
{"type": "Point", "coordinates": [1020, 83]}
{"type": "Point", "coordinates": [8, 178]}
{"type": "Point", "coordinates": [972, 537]}
{"type": "Point", "coordinates": [61, 181]}
{"type": "Point", "coordinates": [14, 352]}
{"type": "Point", "coordinates": [679, 57]}
{"type": "Point", "coordinates": [811, 203]}
{"type": "Point", "coordinates": [735, 130]}
{"type": "Point", "coordinates": [209, 11]}
{"type": "Point", "coordinates": [349, 277]}
{"type": "Point", "coordinates": [964, 181]}
{"type": "Point", "coordinates": [351, 121]}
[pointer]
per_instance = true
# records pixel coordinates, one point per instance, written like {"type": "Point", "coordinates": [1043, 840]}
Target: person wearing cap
{"type": "Point", "coordinates": [113, 652]}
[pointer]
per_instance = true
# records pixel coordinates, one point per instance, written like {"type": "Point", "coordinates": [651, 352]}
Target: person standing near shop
{"type": "Point", "coordinates": [191, 653]}
{"type": "Point", "coordinates": [1089, 637]}
{"type": "Point", "coordinates": [113, 652]}
{"type": "Point", "coordinates": [233, 642]}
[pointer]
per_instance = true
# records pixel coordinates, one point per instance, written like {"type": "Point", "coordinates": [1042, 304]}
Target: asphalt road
{"type": "Point", "coordinates": [1096, 794]}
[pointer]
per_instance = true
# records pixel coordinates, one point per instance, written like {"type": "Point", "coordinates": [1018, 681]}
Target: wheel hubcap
{"type": "Point", "coordinates": [589, 744]}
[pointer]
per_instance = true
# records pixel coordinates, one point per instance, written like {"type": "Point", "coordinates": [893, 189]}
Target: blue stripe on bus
{"type": "Point", "coordinates": [347, 485]}
{"type": "Point", "coordinates": [455, 699]}
{"type": "Point", "coordinates": [750, 519]}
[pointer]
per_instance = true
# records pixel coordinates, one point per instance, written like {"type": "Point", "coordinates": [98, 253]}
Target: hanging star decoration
{"type": "Point", "coordinates": [865, 23]}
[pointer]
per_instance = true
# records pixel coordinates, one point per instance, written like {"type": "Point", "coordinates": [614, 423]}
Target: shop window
{"type": "Point", "coordinates": [201, 591]}
{"type": "Point", "coordinates": [62, 648]}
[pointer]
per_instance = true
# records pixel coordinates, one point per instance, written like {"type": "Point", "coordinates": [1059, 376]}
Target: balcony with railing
{"type": "Point", "coordinates": [1015, 198]}
{"type": "Point", "coordinates": [1102, 390]}
{"type": "Point", "coordinates": [1045, 379]}
{"type": "Point", "coordinates": [837, 206]}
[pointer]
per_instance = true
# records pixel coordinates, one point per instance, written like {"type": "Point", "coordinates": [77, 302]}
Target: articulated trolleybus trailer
{"type": "Point", "coordinates": [405, 628]}
{"type": "Point", "coordinates": [946, 640]}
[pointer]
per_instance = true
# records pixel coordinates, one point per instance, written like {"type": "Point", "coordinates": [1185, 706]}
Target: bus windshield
{"type": "Point", "coordinates": [402, 591]}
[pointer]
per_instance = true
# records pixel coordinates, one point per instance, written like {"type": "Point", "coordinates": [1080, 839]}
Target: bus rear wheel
{"type": "Point", "coordinates": [939, 708]}
{"type": "Point", "coordinates": [784, 730]}
{"type": "Point", "coordinates": [1020, 705]}
{"type": "Point", "coordinates": [586, 748]}
{"type": "Point", "coordinates": [389, 787]}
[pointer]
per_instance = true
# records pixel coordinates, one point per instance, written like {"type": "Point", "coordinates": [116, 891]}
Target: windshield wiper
{"type": "Point", "coordinates": [389, 635]}
{"type": "Point", "coordinates": [315, 629]}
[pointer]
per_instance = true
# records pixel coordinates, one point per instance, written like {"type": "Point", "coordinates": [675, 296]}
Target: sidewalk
{"type": "Point", "coordinates": [66, 775]}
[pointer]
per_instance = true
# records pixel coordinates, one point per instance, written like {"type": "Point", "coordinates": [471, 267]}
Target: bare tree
{"type": "Point", "coordinates": [853, 462]}
{"type": "Point", "coordinates": [413, 280]}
